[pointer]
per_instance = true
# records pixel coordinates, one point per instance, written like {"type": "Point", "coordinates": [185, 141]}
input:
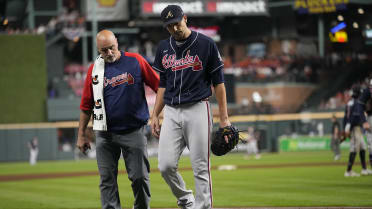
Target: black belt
{"type": "Point", "coordinates": [190, 103]}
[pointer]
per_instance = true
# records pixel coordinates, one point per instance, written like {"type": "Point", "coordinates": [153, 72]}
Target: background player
{"type": "Point", "coordinates": [366, 102]}
{"type": "Point", "coordinates": [335, 141]}
{"type": "Point", "coordinates": [189, 63]}
{"type": "Point", "coordinates": [33, 146]}
{"type": "Point", "coordinates": [114, 88]}
{"type": "Point", "coordinates": [252, 146]}
{"type": "Point", "coordinates": [354, 123]}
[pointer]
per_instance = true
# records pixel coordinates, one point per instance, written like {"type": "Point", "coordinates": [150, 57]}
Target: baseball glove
{"type": "Point", "coordinates": [219, 146]}
{"type": "Point", "coordinates": [344, 136]}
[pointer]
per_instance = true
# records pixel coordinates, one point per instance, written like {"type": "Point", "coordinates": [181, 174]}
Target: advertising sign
{"type": "Point", "coordinates": [208, 7]}
{"type": "Point", "coordinates": [306, 143]}
{"type": "Point", "coordinates": [319, 6]}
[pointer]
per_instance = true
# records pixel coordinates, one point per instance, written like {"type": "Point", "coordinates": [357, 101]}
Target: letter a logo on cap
{"type": "Point", "coordinates": [169, 15]}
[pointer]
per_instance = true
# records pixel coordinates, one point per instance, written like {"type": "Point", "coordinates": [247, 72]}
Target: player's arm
{"type": "Point", "coordinates": [83, 141]}
{"type": "Point", "coordinates": [159, 105]}
{"type": "Point", "coordinates": [86, 107]}
{"type": "Point", "coordinates": [215, 69]}
{"type": "Point", "coordinates": [159, 102]}
{"type": "Point", "coordinates": [220, 92]}
{"type": "Point", "coordinates": [346, 123]}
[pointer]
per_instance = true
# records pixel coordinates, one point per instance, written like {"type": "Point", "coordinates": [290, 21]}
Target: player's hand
{"type": "Point", "coordinates": [155, 127]}
{"type": "Point", "coordinates": [344, 136]}
{"type": "Point", "coordinates": [366, 126]}
{"type": "Point", "coordinates": [83, 144]}
{"type": "Point", "coordinates": [224, 123]}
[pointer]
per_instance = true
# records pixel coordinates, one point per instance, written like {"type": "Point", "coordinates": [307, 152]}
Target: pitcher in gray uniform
{"type": "Point", "coordinates": [189, 64]}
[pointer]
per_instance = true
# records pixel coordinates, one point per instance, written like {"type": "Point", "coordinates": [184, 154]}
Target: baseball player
{"type": "Point", "coordinates": [335, 140]}
{"type": "Point", "coordinates": [366, 101]}
{"type": "Point", "coordinates": [114, 93]}
{"type": "Point", "coordinates": [252, 146]}
{"type": "Point", "coordinates": [354, 123]}
{"type": "Point", "coordinates": [34, 150]}
{"type": "Point", "coordinates": [189, 63]}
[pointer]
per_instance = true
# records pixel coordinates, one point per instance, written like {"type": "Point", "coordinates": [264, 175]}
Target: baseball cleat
{"type": "Point", "coordinates": [351, 174]}
{"type": "Point", "coordinates": [337, 157]}
{"type": "Point", "coordinates": [366, 172]}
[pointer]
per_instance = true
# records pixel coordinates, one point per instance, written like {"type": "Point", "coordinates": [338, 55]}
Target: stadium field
{"type": "Point", "coordinates": [292, 179]}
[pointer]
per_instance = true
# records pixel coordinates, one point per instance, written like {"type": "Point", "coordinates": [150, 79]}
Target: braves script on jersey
{"type": "Point", "coordinates": [188, 69]}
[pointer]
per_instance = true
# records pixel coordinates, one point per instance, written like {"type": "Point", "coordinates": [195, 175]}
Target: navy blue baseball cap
{"type": "Point", "coordinates": [171, 14]}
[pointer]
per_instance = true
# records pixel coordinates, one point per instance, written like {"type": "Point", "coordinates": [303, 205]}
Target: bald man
{"type": "Point", "coordinates": [114, 94]}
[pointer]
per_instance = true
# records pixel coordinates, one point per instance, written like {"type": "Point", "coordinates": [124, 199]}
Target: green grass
{"type": "Point", "coordinates": [245, 187]}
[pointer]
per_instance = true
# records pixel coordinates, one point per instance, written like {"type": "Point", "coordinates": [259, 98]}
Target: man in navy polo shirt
{"type": "Point", "coordinates": [114, 93]}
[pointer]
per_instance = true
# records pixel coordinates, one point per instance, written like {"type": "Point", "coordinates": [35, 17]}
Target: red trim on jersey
{"type": "Point", "coordinates": [209, 138]}
{"type": "Point", "coordinates": [87, 101]}
{"type": "Point", "coordinates": [150, 77]}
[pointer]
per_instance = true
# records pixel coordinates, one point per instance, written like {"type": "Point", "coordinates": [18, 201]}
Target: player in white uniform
{"type": "Point", "coordinates": [189, 63]}
{"type": "Point", "coordinates": [252, 146]}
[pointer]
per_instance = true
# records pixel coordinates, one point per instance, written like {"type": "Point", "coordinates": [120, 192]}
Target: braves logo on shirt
{"type": "Point", "coordinates": [119, 79]}
{"type": "Point", "coordinates": [170, 61]}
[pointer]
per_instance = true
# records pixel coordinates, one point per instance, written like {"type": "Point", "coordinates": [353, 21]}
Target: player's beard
{"type": "Point", "coordinates": [110, 59]}
{"type": "Point", "coordinates": [179, 35]}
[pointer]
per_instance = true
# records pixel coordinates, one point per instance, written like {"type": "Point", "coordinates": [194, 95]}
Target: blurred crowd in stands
{"type": "Point", "coordinates": [265, 61]}
{"type": "Point", "coordinates": [275, 60]}
{"type": "Point", "coordinates": [69, 22]}
{"type": "Point", "coordinates": [340, 99]}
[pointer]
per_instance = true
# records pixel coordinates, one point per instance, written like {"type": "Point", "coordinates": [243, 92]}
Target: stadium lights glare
{"type": "Point", "coordinates": [5, 22]}
{"type": "Point", "coordinates": [361, 11]}
{"type": "Point", "coordinates": [340, 18]}
{"type": "Point", "coordinates": [355, 25]}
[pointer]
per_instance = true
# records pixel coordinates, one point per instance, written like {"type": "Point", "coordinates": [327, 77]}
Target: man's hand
{"type": "Point", "coordinates": [366, 126]}
{"type": "Point", "coordinates": [223, 124]}
{"type": "Point", "coordinates": [155, 127]}
{"type": "Point", "coordinates": [83, 144]}
{"type": "Point", "coordinates": [344, 136]}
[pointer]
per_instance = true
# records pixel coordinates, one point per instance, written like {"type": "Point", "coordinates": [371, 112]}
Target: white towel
{"type": "Point", "coordinates": [99, 117]}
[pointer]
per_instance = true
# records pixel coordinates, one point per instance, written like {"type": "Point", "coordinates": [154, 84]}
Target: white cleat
{"type": "Point", "coordinates": [337, 157]}
{"type": "Point", "coordinates": [351, 174]}
{"type": "Point", "coordinates": [366, 172]}
{"type": "Point", "coordinates": [369, 171]}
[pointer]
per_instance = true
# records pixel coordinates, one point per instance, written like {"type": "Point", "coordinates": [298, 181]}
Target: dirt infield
{"type": "Point", "coordinates": [23, 177]}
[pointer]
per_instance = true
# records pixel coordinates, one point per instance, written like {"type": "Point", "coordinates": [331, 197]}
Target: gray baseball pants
{"type": "Point", "coordinates": [133, 146]}
{"type": "Point", "coordinates": [357, 140]}
{"type": "Point", "coordinates": [369, 136]}
{"type": "Point", "coordinates": [188, 125]}
{"type": "Point", "coordinates": [335, 145]}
